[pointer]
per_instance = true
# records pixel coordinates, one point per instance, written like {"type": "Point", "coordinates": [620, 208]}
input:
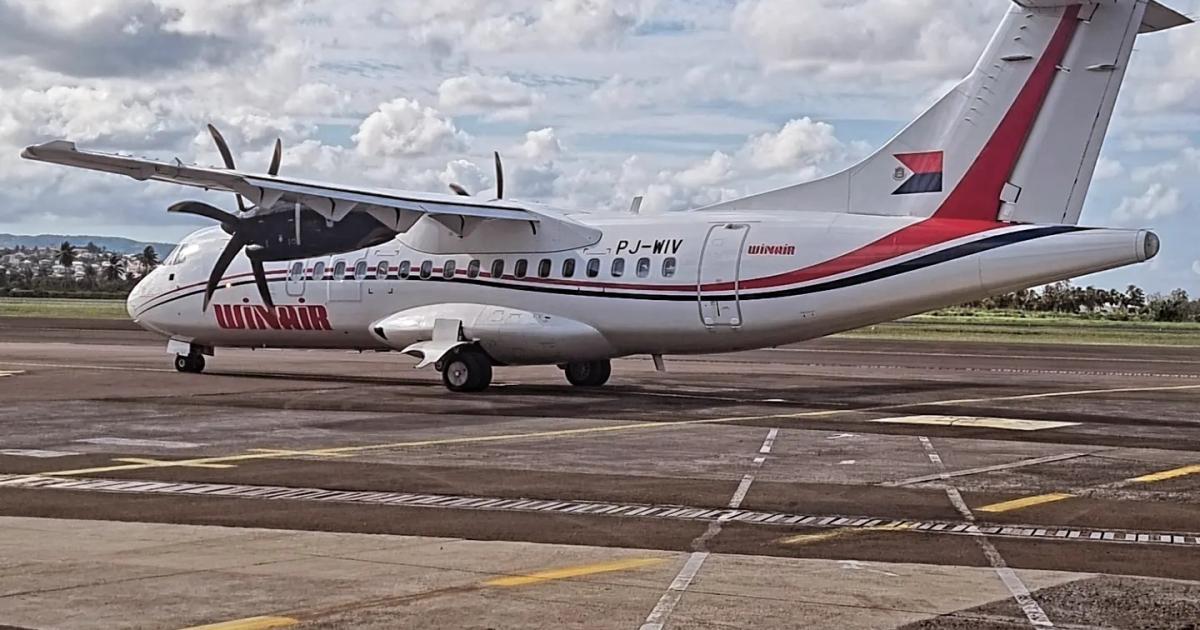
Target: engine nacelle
{"type": "Point", "coordinates": [275, 235]}
{"type": "Point", "coordinates": [510, 336]}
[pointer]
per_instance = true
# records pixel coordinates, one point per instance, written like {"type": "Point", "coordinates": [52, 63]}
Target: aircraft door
{"type": "Point", "coordinates": [295, 279]}
{"type": "Point", "coordinates": [720, 269]}
{"type": "Point", "coordinates": [346, 285]}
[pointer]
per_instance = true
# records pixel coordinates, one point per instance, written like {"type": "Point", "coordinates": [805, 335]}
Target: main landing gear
{"type": "Point", "coordinates": [192, 363]}
{"type": "Point", "coordinates": [588, 373]}
{"type": "Point", "coordinates": [467, 370]}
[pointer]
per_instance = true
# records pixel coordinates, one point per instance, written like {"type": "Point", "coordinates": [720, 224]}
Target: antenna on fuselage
{"type": "Point", "coordinates": [636, 207]}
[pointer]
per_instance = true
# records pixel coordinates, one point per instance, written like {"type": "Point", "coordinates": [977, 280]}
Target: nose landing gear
{"type": "Point", "coordinates": [192, 363]}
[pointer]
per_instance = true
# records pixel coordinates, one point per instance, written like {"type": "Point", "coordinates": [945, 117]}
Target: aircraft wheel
{"type": "Point", "coordinates": [189, 364]}
{"type": "Point", "coordinates": [468, 371]}
{"type": "Point", "coordinates": [588, 373]}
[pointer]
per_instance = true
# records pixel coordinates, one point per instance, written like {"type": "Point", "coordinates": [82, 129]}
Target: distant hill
{"type": "Point", "coordinates": [111, 243]}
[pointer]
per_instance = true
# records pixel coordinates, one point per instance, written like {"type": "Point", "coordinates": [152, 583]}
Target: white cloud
{"type": "Point", "coordinates": [1156, 172]}
{"type": "Point", "coordinates": [403, 128]}
{"type": "Point", "coordinates": [803, 145]}
{"type": "Point", "coordinates": [1108, 168]}
{"type": "Point", "coordinates": [717, 169]}
{"type": "Point", "coordinates": [1196, 267]}
{"type": "Point", "coordinates": [540, 145]}
{"type": "Point", "coordinates": [500, 98]}
{"type": "Point", "coordinates": [1158, 202]}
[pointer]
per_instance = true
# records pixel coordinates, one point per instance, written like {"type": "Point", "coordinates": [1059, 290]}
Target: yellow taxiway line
{"type": "Point", "coordinates": [1167, 474]}
{"type": "Point", "coordinates": [573, 572]}
{"type": "Point", "coordinates": [250, 623]}
{"type": "Point", "coordinates": [1026, 502]}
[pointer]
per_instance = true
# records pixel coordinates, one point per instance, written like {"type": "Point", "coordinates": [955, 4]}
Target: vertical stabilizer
{"type": "Point", "coordinates": [1017, 140]}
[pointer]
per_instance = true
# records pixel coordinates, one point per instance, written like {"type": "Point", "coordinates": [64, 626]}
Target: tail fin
{"type": "Point", "coordinates": [1018, 140]}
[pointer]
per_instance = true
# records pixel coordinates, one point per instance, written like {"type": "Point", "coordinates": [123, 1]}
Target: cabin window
{"type": "Point", "coordinates": [426, 269]}
{"type": "Point", "coordinates": [405, 269]}
{"type": "Point", "coordinates": [318, 272]}
{"type": "Point", "coordinates": [473, 269]}
{"type": "Point", "coordinates": [360, 270]}
{"type": "Point", "coordinates": [498, 268]}
{"type": "Point", "coordinates": [593, 268]}
{"type": "Point", "coordinates": [381, 272]}
{"type": "Point", "coordinates": [339, 270]}
{"type": "Point", "coordinates": [643, 268]}
{"type": "Point", "coordinates": [449, 268]}
{"type": "Point", "coordinates": [670, 266]}
{"type": "Point", "coordinates": [544, 268]}
{"type": "Point", "coordinates": [521, 268]}
{"type": "Point", "coordinates": [297, 272]}
{"type": "Point", "coordinates": [568, 269]}
{"type": "Point", "coordinates": [618, 267]}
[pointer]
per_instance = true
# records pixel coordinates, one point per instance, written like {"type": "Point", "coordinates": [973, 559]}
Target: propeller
{"type": "Point", "coordinates": [241, 230]}
{"type": "Point", "coordinates": [462, 192]}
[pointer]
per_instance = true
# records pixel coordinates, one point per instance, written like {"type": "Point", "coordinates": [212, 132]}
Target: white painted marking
{"type": "Point", "coordinates": [769, 442]}
{"type": "Point", "coordinates": [740, 494]}
{"type": "Point", "coordinates": [848, 462]}
{"type": "Point", "coordinates": [14, 373]}
{"type": "Point", "coordinates": [842, 436]}
{"type": "Point", "coordinates": [760, 460]}
{"type": "Point", "coordinates": [1007, 424]}
{"type": "Point", "coordinates": [117, 441]}
{"type": "Point", "coordinates": [985, 469]}
{"type": "Point", "coordinates": [774, 400]}
{"type": "Point", "coordinates": [25, 452]}
{"type": "Point", "coordinates": [856, 565]}
{"type": "Point", "coordinates": [1020, 593]}
{"type": "Point", "coordinates": [657, 619]}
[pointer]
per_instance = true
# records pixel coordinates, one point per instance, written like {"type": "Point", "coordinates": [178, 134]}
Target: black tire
{"type": "Point", "coordinates": [467, 371]}
{"type": "Point", "coordinates": [589, 373]}
{"type": "Point", "coordinates": [189, 364]}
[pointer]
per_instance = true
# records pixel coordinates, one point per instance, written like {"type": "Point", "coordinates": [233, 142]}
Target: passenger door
{"type": "Point", "coordinates": [720, 271]}
{"type": "Point", "coordinates": [346, 286]}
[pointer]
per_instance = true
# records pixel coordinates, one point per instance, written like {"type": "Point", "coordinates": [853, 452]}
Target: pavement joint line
{"type": "Point", "coordinates": [966, 472]}
{"type": "Point", "coordinates": [602, 430]}
{"type": "Point", "coordinates": [710, 515]}
{"type": "Point", "coordinates": [661, 613]}
{"type": "Point", "coordinates": [1016, 587]}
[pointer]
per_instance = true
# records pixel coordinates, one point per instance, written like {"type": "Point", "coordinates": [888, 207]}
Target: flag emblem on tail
{"type": "Point", "coordinates": [926, 172]}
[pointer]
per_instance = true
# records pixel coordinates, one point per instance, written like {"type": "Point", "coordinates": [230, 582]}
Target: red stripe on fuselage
{"type": "Point", "coordinates": [977, 196]}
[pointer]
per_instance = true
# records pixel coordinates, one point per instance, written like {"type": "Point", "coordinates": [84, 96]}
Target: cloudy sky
{"type": "Point", "coordinates": [592, 102]}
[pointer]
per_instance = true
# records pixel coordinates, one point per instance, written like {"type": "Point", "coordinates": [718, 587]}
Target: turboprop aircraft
{"type": "Point", "coordinates": [981, 195]}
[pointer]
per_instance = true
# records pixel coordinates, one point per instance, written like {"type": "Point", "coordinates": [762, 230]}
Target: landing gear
{"type": "Point", "coordinates": [588, 373]}
{"type": "Point", "coordinates": [192, 363]}
{"type": "Point", "coordinates": [468, 370]}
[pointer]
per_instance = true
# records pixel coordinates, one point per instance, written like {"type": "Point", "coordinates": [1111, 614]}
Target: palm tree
{"type": "Point", "coordinates": [66, 254]}
{"type": "Point", "coordinates": [149, 258]}
{"type": "Point", "coordinates": [116, 268]}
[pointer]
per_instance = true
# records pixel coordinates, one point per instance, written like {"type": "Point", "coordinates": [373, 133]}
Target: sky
{"type": "Point", "coordinates": [592, 102]}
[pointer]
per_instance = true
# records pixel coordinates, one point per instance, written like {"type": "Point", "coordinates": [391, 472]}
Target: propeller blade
{"type": "Point", "coordinates": [223, 148]}
{"type": "Point", "coordinates": [499, 176]}
{"type": "Point", "coordinates": [260, 279]}
{"type": "Point", "coordinates": [459, 190]}
{"type": "Point", "coordinates": [201, 209]}
{"type": "Point", "coordinates": [276, 158]}
{"type": "Point", "coordinates": [231, 250]}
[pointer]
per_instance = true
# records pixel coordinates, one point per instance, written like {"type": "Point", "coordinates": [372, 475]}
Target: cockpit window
{"type": "Point", "coordinates": [180, 254]}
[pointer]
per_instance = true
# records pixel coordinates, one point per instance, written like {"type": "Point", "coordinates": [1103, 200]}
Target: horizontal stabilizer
{"type": "Point", "coordinates": [1159, 17]}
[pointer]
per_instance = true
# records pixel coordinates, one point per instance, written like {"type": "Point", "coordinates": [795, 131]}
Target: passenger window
{"type": "Point", "coordinates": [339, 270]}
{"type": "Point", "coordinates": [568, 270]}
{"type": "Point", "coordinates": [643, 268]}
{"type": "Point", "coordinates": [498, 269]}
{"type": "Point", "coordinates": [449, 269]}
{"type": "Point", "coordinates": [593, 268]}
{"type": "Point", "coordinates": [522, 267]}
{"type": "Point", "coordinates": [381, 272]}
{"type": "Point", "coordinates": [473, 269]}
{"type": "Point", "coordinates": [670, 265]}
{"type": "Point", "coordinates": [318, 271]}
{"type": "Point", "coordinates": [297, 272]}
{"type": "Point", "coordinates": [544, 268]}
{"type": "Point", "coordinates": [426, 269]}
{"type": "Point", "coordinates": [405, 269]}
{"type": "Point", "coordinates": [360, 270]}
{"type": "Point", "coordinates": [618, 267]}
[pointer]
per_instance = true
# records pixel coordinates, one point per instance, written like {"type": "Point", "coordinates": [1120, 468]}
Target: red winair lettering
{"type": "Point", "coordinates": [772, 250]}
{"type": "Point", "coordinates": [258, 317]}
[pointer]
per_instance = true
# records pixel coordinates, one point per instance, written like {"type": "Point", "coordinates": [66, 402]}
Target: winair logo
{"type": "Point", "coordinates": [772, 250]}
{"type": "Point", "coordinates": [926, 168]}
{"type": "Point", "coordinates": [256, 317]}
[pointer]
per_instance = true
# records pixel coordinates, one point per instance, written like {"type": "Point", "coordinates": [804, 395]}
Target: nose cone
{"type": "Point", "coordinates": [137, 299]}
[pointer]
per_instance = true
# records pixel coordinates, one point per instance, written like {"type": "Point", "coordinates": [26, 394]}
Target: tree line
{"type": "Point", "coordinates": [105, 274]}
{"type": "Point", "coordinates": [1065, 298]}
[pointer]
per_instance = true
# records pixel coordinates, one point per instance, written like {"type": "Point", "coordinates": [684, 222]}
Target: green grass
{"type": "Point", "coordinates": [1035, 328]}
{"type": "Point", "coordinates": [63, 308]}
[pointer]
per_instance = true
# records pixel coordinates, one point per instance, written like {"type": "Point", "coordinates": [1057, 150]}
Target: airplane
{"type": "Point", "coordinates": [980, 195]}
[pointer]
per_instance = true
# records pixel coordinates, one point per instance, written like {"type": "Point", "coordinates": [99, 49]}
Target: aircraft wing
{"type": "Point", "coordinates": [266, 191]}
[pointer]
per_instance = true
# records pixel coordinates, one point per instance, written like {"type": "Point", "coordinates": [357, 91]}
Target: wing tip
{"type": "Point", "coordinates": [36, 151]}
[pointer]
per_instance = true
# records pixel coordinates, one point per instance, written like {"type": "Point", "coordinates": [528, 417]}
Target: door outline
{"type": "Point", "coordinates": [345, 289]}
{"type": "Point", "coordinates": [719, 249]}
{"type": "Point", "coordinates": [295, 284]}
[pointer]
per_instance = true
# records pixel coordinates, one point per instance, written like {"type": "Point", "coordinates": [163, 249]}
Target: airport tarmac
{"type": "Point", "coordinates": [839, 484]}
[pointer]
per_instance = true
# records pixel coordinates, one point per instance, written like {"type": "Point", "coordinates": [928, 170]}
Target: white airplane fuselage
{"type": "Point", "coordinates": [696, 282]}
